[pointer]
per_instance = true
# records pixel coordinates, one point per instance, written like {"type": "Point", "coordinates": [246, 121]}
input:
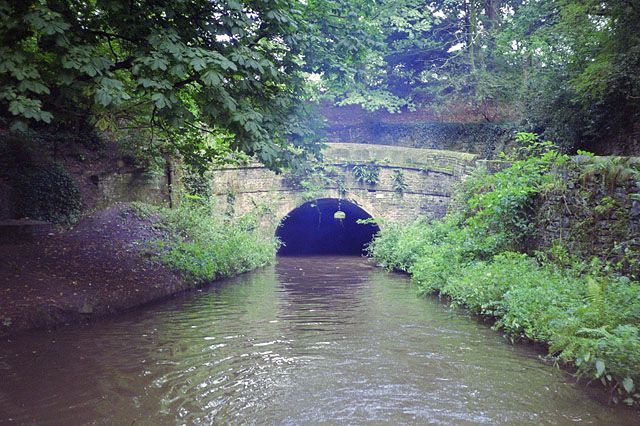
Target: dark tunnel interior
{"type": "Point", "coordinates": [318, 227]}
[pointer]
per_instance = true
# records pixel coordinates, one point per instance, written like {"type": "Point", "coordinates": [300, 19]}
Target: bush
{"type": "Point", "coordinates": [400, 246]}
{"type": "Point", "coordinates": [440, 260]}
{"type": "Point", "coordinates": [43, 189]}
{"type": "Point", "coordinates": [46, 193]}
{"type": "Point", "coordinates": [203, 245]}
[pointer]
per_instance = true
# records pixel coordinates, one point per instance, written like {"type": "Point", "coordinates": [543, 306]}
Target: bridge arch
{"type": "Point", "coordinates": [411, 183]}
{"type": "Point", "coordinates": [325, 226]}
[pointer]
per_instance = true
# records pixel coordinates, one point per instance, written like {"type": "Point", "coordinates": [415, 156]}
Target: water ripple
{"type": "Point", "coordinates": [311, 340]}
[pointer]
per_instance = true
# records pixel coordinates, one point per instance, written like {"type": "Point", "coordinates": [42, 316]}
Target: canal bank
{"type": "Point", "coordinates": [114, 260]}
{"type": "Point", "coordinates": [547, 249]}
{"type": "Point", "coordinates": [90, 271]}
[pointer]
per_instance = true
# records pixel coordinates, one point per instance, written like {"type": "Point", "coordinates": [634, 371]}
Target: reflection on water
{"type": "Point", "coordinates": [310, 340]}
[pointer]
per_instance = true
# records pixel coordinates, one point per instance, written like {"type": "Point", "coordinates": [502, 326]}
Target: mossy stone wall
{"type": "Point", "coordinates": [592, 216]}
{"type": "Point", "coordinates": [133, 186]}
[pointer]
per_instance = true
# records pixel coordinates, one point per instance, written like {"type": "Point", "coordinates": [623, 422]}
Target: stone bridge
{"type": "Point", "coordinates": [429, 177]}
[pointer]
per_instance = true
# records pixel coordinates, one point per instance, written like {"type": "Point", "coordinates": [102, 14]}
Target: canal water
{"type": "Point", "coordinates": [311, 340]}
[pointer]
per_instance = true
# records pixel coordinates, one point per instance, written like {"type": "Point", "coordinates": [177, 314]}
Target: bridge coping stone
{"type": "Point", "coordinates": [394, 156]}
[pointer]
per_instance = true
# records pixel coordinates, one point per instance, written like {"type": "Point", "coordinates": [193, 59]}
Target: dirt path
{"type": "Point", "coordinates": [90, 271]}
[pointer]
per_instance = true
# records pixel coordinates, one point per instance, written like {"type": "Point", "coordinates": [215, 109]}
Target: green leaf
{"type": "Point", "coordinates": [234, 5]}
{"type": "Point", "coordinates": [179, 71]}
{"type": "Point", "coordinates": [103, 124]}
{"type": "Point", "coordinates": [600, 368]}
{"type": "Point", "coordinates": [146, 82]}
{"type": "Point", "coordinates": [198, 63]}
{"type": "Point", "coordinates": [211, 78]}
{"type": "Point", "coordinates": [33, 86]}
{"type": "Point", "coordinates": [628, 385]}
{"type": "Point", "coordinates": [19, 126]}
{"type": "Point", "coordinates": [229, 103]}
{"type": "Point", "coordinates": [46, 116]}
{"type": "Point", "coordinates": [160, 100]}
{"type": "Point", "coordinates": [226, 64]}
{"type": "Point", "coordinates": [158, 63]}
{"type": "Point", "coordinates": [103, 98]}
{"type": "Point", "coordinates": [16, 107]}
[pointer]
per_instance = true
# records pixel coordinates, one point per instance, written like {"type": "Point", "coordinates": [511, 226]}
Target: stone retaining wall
{"type": "Point", "coordinates": [592, 216]}
{"type": "Point", "coordinates": [132, 186]}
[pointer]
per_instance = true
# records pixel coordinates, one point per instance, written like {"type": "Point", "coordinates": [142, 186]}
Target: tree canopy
{"type": "Point", "coordinates": [567, 68]}
{"type": "Point", "coordinates": [234, 67]}
{"type": "Point", "coordinates": [244, 71]}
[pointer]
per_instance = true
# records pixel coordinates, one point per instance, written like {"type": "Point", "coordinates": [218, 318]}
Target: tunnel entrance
{"type": "Point", "coordinates": [325, 226]}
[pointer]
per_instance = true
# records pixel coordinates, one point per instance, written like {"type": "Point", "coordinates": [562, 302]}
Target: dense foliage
{"type": "Point", "coordinates": [42, 189]}
{"type": "Point", "coordinates": [164, 74]}
{"type": "Point", "coordinates": [203, 245]}
{"type": "Point", "coordinates": [46, 192]}
{"type": "Point", "coordinates": [587, 314]}
{"type": "Point", "coordinates": [567, 68]}
{"type": "Point", "coordinates": [177, 70]}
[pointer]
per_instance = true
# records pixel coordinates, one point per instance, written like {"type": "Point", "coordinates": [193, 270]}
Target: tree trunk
{"type": "Point", "coordinates": [473, 28]}
{"type": "Point", "coordinates": [491, 11]}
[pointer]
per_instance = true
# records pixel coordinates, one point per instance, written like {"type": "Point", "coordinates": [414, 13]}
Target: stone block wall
{"type": "Point", "coordinates": [484, 139]}
{"type": "Point", "coordinates": [430, 177]}
{"type": "Point", "coordinates": [593, 215]}
{"type": "Point", "coordinates": [455, 128]}
{"type": "Point", "coordinates": [132, 186]}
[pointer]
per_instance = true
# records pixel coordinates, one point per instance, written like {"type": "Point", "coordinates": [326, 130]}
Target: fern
{"type": "Point", "coordinates": [597, 296]}
{"type": "Point", "coordinates": [367, 173]}
{"type": "Point", "coordinates": [612, 171]}
{"type": "Point", "coordinates": [399, 184]}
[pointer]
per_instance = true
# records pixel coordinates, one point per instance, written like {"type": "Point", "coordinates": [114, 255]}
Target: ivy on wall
{"type": "Point", "coordinates": [43, 189]}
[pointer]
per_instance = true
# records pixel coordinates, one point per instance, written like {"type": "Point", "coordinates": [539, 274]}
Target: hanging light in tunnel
{"type": "Point", "coordinates": [337, 233]}
{"type": "Point", "coordinates": [339, 215]}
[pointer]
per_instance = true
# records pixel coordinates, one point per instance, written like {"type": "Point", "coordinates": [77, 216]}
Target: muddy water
{"type": "Point", "coordinates": [311, 340]}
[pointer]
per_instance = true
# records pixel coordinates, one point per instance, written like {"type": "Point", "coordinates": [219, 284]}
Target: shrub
{"type": "Point", "coordinates": [401, 245]}
{"type": "Point", "coordinates": [204, 245]}
{"type": "Point", "coordinates": [43, 189]}
{"type": "Point", "coordinates": [46, 193]}
{"type": "Point", "coordinates": [440, 260]}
